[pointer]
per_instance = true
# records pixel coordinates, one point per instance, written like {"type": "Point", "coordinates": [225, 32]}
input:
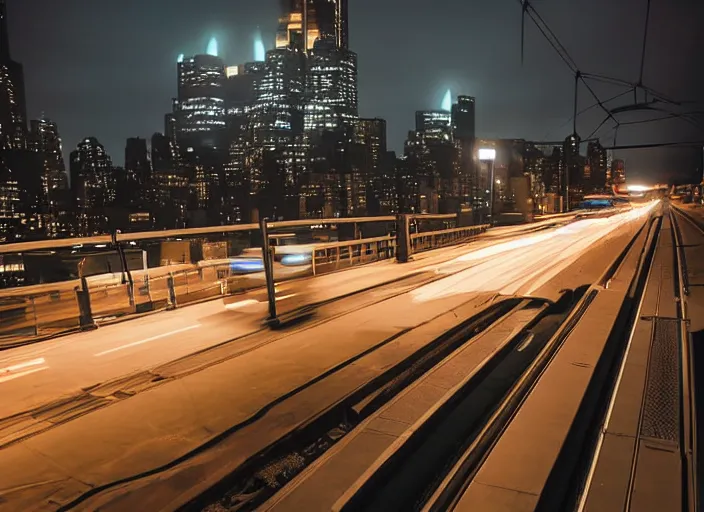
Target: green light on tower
{"type": "Point", "coordinates": [212, 47]}
{"type": "Point", "coordinates": [447, 101]}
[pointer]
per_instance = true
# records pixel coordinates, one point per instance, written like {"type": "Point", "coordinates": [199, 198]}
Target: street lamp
{"type": "Point", "coordinates": [488, 155]}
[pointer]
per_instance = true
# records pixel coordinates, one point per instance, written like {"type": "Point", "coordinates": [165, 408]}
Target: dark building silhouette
{"type": "Point", "coordinates": [597, 164]}
{"type": "Point", "coordinates": [137, 163]}
{"type": "Point", "coordinates": [92, 179]}
{"type": "Point", "coordinates": [13, 109]}
{"type": "Point", "coordinates": [463, 120]}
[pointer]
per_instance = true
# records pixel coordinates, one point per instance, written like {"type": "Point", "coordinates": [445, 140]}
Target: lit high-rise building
{"type": "Point", "coordinates": [92, 180]}
{"type": "Point", "coordinates": [597, 162]}
{"type": "Point", "coordinates": [331, 88]}
{"type": "Point", "coordinates": [311, 20]}
{"type": "Point", "coordinates": [371, 133]}
{"type": "Point", "coordinates": [434, 124]}
{"type": "Point", "coordinates": [46, 140]}
{"type": "Point", "coordinates": [13, 109]}
{"type": "Point", "coordinates": [277, 113]}
{"type": "Point", "coordinates": [200, 108]}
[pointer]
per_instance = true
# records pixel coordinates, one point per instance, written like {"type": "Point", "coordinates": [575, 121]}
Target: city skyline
{"type": "Point", "coordinates": [112, 126]}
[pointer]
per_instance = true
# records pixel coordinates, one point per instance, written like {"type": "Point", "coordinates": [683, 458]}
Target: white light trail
{"type": "Point", "coordinates": [533, 259]}
{"type": "Point", "coordinates": [142, 342]}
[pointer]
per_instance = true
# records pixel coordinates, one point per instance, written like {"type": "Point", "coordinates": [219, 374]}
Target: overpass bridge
{"type": "Point", "coordinates": [548, 366]}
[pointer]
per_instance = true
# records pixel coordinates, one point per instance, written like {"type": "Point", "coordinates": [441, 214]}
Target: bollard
{"type": "Point", "coordinates": [85, 313]}
{"type": "Point", "coordinates": [403, 239]}
{"type": "Point", "coordinates": [267, 258]}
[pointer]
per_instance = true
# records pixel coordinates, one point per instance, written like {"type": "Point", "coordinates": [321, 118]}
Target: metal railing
{"type": "Point", "coordinates": [330, 257]}
{"type": "Point", "coordinates": [443, 238]}
{"type": "Point", "coordinates": [28, 313]}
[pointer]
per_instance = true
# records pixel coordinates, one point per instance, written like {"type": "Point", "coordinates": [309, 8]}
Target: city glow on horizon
{"type": "Point", "coordinates": [212, 47]}
{"type": "Point", "coordinates": [259, 50]}
{"type": "Point", "coordinates": [638, 188]}
{"type": "Point", "coordinates": [447, 101]}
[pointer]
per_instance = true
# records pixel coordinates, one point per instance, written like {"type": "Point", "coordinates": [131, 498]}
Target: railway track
{"type": "Point", "coordinates": [447, 445]}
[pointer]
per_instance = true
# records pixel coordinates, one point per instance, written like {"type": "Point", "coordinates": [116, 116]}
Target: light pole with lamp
{"type": "Point", "coordinates": [488, 155]}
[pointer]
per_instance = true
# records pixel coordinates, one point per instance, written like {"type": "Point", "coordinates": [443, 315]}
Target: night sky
{"type": "Point", "coordinates": [108, 68]}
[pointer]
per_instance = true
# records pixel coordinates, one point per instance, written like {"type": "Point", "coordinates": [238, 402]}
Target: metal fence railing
{"type": "Point", "coordinates": [443, 238]}
{"type": "Point", "coordinates": [166, 281]}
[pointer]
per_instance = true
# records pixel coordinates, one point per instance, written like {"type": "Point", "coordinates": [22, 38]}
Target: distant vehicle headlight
{"type": "Point", "coordinates": [295, 259]}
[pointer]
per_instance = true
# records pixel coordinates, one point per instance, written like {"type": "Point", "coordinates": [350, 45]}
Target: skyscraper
{"type": "Point", "coordinates": [277, 113]}
{"type": "Point", "coordinates": [464, 133]}
{"type": "Point", "coordinates": [13, 109]}
{"type": "Point", "coordinates": [137, 163]}
{"type": "Point", "coordinates": [332, 22]}
{"type": "Point", "coordinates": [311, 20]}
{"type": "Point", "coordinates": [371, 133]}
{"type": "Point", "coordinates": [92, 181]}
{"type": "Point", "coordinates": [463, 118]}
{"type": "Point", "coordinates": [200, 109]}
{"type": "Point", "coordinates": [46, 140]}
{"type": "Point", "coordinates": [434, 124]}
{"type": "Point", "coordinates": [597, 161]}
{"type": "Point", "coordinates": [331, 87]}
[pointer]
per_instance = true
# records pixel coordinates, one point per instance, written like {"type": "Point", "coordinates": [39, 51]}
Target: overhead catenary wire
{"type": "Point", "coordinates": [645, 42]}
{"type": "Point", "coordinates": [528, 9]}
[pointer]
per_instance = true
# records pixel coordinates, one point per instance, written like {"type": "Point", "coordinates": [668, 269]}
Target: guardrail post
{"type": "Point", "coordinates": [403, 238]}
{"type": "Point", "coordinates": [85, 313]}
{"type": "Point", "coordinates": [268, 270]}
{"type": "Point", "coordinates": [172, 291]}
{"type": "Point", "coordinates": [36, 320]}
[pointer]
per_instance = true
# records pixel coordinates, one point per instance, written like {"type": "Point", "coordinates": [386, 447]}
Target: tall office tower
{"type": "Point", "coordinates": [332, 21]}
{"type": "Point", "coordinates": [46, 140]}
{"type": "Point", "coordinates": [435, 125]}
{"type": "Point", "coordinates": [137, 163]}
{"type": "Point", "coordinates": [10, 202]}
{"type": "Point", "coordinates": [573, 168]}
{"type": "Point", "coordinates": [371, 133]}
{"type": "Point", "coordinates": [331, 88]}
{"type": "Point", "coordinates": [297, 24]}
{"type": "Point", "coordinates": [312, 20]}
{"type": "Point", "coordinates": [277, 113]}
{"type": "Point", "coordinates": [200, 108]}
{"type": "Point", "coordinates": [463, 118]}
{"type": "Point", "coordinates": [92, 181]}
{"type": "Point", "coordinates": [13, 109]}
{"type": "Point", "coordinates": [169, 182]}
{"type": "Point", "coordinates": [534, 162]}
{"type": "Point", "coordinates": [433, 149]}
{"type": "Point", "coordinates": [464, 133]}
{"type": "Point", "coordinates": [597, 162]}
